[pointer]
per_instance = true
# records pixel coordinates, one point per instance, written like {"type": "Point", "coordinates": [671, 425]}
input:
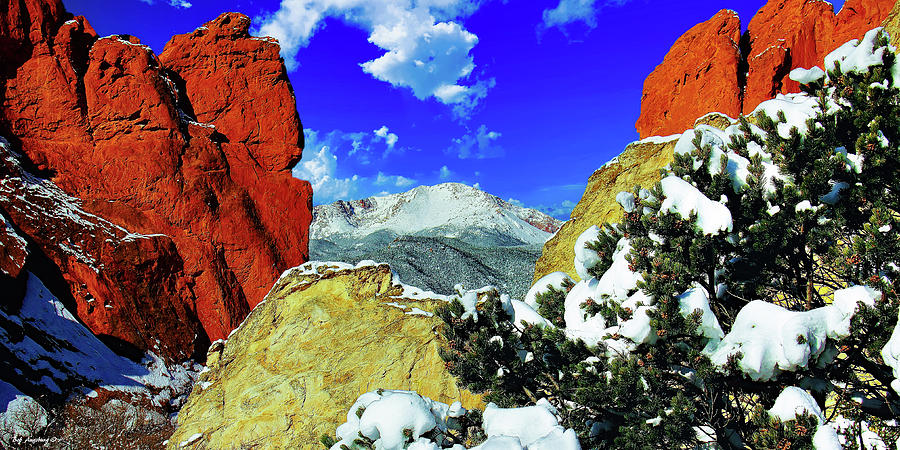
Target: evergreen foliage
{"type": "Point", "coordinates": [791, 244]}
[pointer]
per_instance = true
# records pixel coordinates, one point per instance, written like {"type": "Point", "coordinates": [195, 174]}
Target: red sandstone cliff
{"type": "Point", "coordinates": [178, 168]}
{"type": "Point", "coordinates": [710, 68]}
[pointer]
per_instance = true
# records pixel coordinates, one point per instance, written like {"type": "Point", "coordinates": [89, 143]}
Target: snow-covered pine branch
{"type": "Point", "coordinates": [747, 300]}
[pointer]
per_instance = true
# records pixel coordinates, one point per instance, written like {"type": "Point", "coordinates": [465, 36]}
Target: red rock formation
{"type": "Point", "coordinates": [13, 257]}
{"type": "Point", "coordinates": [783, 35]}
{"type": "Point", "coordinates": [698, 75]}
{"type": "Point", "coordinates": [195, 146]}
{"type": "Point", "coordinates": [264, 116]}
{"type": "Point", "coordinates": [124, 283]}
{"type": "Point", "coordinates": [787, 34]}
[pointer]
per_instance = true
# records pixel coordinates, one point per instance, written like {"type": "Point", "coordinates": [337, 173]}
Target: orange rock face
{"type": "Point", "coordinates": [264, 116]}
{"type": "Point", "coordinates": [698, 75]}
{"type": "Point", "coordinates": [191, 150]}
{"type": "Point", "coordinates": [783, 35]}
{"type": "Point", "coordinates": [787, 34]}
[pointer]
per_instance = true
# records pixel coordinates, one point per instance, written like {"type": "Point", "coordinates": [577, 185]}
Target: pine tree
{"type": "Point", "coordinates": [825, 220]}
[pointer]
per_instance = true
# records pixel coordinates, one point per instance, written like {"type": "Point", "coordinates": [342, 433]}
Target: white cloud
{"type": "Point", "coordinates": [570, 11]}
{"type": "Point", "coordinates": [318, 166]}
{"type": "Point", "coordinates": [425, 49]}
{"type": "Point", "coordinates": [183, 4]}
{"type": "Point", "coordinates": [515, 202]}
{"type": "Point", "coordinates": [478, 145]}
{"type": "Point", "coordinates": [445, 173]}
{"type": "Point", "coordinates": [560, 210]}
{"type": "Point", "coordinates": [365, 147]}
{"type": "Point", "coordinates": [389, 138]}
{"type": "Point", "coordinates": [393, 180]}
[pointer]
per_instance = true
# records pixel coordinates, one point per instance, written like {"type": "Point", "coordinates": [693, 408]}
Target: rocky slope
{"type": "Point", "coordinates": [713, 68]}
{"type": "Point", "coordinates": [47, 354]}
{"type": "Point", "coordinates": [436, 236]}
{"type": "Point", "coordinates": [438, 264]}
{"type": "Point", "coordinates": [185, 211]}
{"type": "Point", "coordinates": [325, 334]}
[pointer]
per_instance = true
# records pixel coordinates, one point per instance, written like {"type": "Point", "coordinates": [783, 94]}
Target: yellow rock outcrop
{"type": "Point", "coordinates": [324, 335]}
{"type": "Point", "coordinates": [892, 24]}
{"type": "Point", "coordinates": [638, 165]}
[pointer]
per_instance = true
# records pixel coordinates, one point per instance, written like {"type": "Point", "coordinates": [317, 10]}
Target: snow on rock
{"type": "Point", "coordinates": [684, 199]}
{"type": "Point", "coordinates": [585, 258]}
{"type": "Point", "coordinates": [396, 420]}
{"type": "Point", "coordinates": [13, 250]}
{"type": "Point", "coordinates": [191, 440]}
{"type": "Point", "coordinates": [556, 279]}
{"type": "Point", "coordinates": [314, 270]}
{"type": "Point", "coordinates": [794, 401]}
{"type": "Point", "coordinates": [22, 418]}
{"type": "Point", "coordinates": [66, 352]}
{"type": "Point", "coordinates": [807, 76]}
{"type": "Point", "coordinates": [773, 339]}
{"type": "Point", "coordinates": [857, 56]}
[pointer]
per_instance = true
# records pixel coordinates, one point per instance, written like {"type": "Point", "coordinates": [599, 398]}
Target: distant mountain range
{"type": "Point", "coordinates": [436, 236]}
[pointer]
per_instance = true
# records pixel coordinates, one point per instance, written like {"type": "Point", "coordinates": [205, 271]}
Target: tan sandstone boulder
{"type": "Point", "coordinates": [892, 24]}
{"type": "Point", "coordinates": [638, 165]}
{"type": "Point", "coordinates": [326, 333]}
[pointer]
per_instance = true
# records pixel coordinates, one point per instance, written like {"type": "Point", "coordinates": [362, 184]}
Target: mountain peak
{"type": "Point", "coordinates": [447, 209]}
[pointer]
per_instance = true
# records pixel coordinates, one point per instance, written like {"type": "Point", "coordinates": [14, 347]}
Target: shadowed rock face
{"type": "Point", "coordinates": [191, 150]}
{"type": "Point", "coordinates": [711, 68]}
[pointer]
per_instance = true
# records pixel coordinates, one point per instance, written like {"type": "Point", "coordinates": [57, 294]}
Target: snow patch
{"type": "Point", "coordinates": [556, 279]}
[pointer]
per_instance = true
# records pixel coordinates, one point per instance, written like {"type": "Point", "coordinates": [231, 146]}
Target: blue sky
{"type": "Point", "coordinates": [523, 98]}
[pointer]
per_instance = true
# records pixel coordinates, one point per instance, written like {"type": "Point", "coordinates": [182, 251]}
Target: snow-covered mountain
{"type": "Point", "coordinates": [436, 236]}
{"type": "Point", "coordinates": [446, 210]}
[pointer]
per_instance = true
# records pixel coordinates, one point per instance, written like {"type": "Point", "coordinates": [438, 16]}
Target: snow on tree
{"type": "Point", "coordinates": [747, 300]}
